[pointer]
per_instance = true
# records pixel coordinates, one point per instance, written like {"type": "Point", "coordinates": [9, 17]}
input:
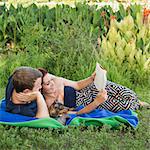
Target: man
{"type": "Point", "coordinates": [23, 93]}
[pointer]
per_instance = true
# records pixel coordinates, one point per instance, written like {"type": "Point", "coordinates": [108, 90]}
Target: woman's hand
{"type": "Point", "coordinates": [71, 112]}
{"type": "Point", "coordinates": [27, 97]}
{"type": "Point", "coordinates": [101, 97]}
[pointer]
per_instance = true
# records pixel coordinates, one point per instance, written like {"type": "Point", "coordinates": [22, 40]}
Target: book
{"type": "Point", "coordinates": [100, 78]}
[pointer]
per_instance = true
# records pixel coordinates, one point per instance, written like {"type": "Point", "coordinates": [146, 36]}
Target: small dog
{"type": "Point", "coordinates": [59, 111]}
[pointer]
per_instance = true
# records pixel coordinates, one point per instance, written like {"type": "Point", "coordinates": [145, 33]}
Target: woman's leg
{"type": "Point", "coordinates": [144, 105]}
{"type": "Point", "coordinates": [120, 98]}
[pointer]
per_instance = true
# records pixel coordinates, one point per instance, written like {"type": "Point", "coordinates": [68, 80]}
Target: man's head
{"type": "Point", "coordinates": [26, 78]}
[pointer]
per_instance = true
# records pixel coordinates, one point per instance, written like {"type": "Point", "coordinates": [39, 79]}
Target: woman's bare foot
{"type": "Point", "coordinates": [144, 105]}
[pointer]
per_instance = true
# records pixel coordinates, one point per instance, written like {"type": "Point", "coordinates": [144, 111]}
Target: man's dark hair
{"type": "Point", "coordinates": [24, 78]}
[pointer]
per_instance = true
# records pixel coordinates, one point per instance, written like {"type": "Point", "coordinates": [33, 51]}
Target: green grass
{"type": "Point", "coordinates": [2, 91]}
{"type": "Point", "coordinates": [81, 138]}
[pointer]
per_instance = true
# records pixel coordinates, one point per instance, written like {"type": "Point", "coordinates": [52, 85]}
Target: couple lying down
{"type": "Point", "coordinates": [32, 92]}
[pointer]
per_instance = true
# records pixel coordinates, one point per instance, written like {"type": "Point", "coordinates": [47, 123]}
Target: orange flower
{"type": "Point", "coordinates": [146, 12]}
{"type": "Point", "coordinates": [112, 17]}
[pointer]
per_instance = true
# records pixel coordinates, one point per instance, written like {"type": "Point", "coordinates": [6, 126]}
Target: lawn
{"type": "Point", "coordinates": [80, 138]}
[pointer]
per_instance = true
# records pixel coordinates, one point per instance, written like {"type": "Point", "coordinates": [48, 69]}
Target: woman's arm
{"type": "Point", "coordinates": [78, 85]}
{"type": "Point", "coordinates": [101, 97]}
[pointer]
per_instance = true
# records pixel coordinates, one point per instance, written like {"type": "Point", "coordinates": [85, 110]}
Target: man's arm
{"type": "Point", "coordinates": [24, 98]}
{"type": "Point", "coordinates": [42, 110]}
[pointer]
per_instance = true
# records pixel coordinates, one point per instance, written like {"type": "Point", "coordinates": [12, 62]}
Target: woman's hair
{"type": "Point", "coordinates": [43, 71]}
{"type": "Point", "coordinates": [24, 78]}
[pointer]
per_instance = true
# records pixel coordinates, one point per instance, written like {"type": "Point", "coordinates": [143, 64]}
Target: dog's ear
{"type": "Point", "coordinates": [59, 106]}
{"type": "Point", "coordinates": [63, 111]}
{"type": "Point", "coordinates": [52, 111]}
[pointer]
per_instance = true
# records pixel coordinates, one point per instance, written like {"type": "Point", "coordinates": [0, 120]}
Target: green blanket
{"type": "Point", "coordinates": [114, 122]}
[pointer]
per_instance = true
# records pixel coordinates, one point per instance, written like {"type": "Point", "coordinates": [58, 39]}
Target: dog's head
{"type": "Point", "coordinates": [57, 109]}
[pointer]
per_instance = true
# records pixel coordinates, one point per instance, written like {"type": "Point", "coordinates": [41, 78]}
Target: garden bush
{"type": "Point", "coordinates": [64, 41]}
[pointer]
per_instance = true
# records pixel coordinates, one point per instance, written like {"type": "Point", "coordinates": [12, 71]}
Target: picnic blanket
{"type": "Point", "coordinates": [96, 118]}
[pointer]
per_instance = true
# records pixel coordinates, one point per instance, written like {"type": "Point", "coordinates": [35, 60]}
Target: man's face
{"type": "Point", "coordinates": [37, 85]}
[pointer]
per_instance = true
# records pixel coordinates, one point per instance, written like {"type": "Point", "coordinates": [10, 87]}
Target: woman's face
{"type": "Point", "coordinates": [48, 85]}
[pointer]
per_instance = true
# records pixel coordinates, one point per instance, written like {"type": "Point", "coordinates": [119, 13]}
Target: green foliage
{"type": "Point", "coordinates": [128, 47]}
{"type": "Point", "coordinates": [63, 40]}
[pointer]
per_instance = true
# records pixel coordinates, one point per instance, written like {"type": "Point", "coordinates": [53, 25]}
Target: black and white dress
{"type": "Point", "coordinates": [119, 97]}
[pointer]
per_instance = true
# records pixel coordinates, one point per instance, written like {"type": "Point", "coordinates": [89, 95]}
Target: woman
{"type": "Point", "coordinates": [76, 93]}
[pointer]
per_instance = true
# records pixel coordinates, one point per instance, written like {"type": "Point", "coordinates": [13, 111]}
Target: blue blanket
{"type": "Point", "coordinates": [126, 116]}
{"type": "Point", "coordinates": [96, 117]}
{"type": "Point", "coordinates": [9, 117]}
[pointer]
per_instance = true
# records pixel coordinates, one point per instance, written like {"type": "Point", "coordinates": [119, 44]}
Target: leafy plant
{"type": "Point", "coordinates": [122, 45]}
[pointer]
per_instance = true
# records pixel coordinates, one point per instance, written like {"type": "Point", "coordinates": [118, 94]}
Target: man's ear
{"type": "Point", "coordinates": [26, 91]}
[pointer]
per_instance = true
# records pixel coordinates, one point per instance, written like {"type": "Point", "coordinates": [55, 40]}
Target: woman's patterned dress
{"type": "Point", "coordinates": [119, 97]}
